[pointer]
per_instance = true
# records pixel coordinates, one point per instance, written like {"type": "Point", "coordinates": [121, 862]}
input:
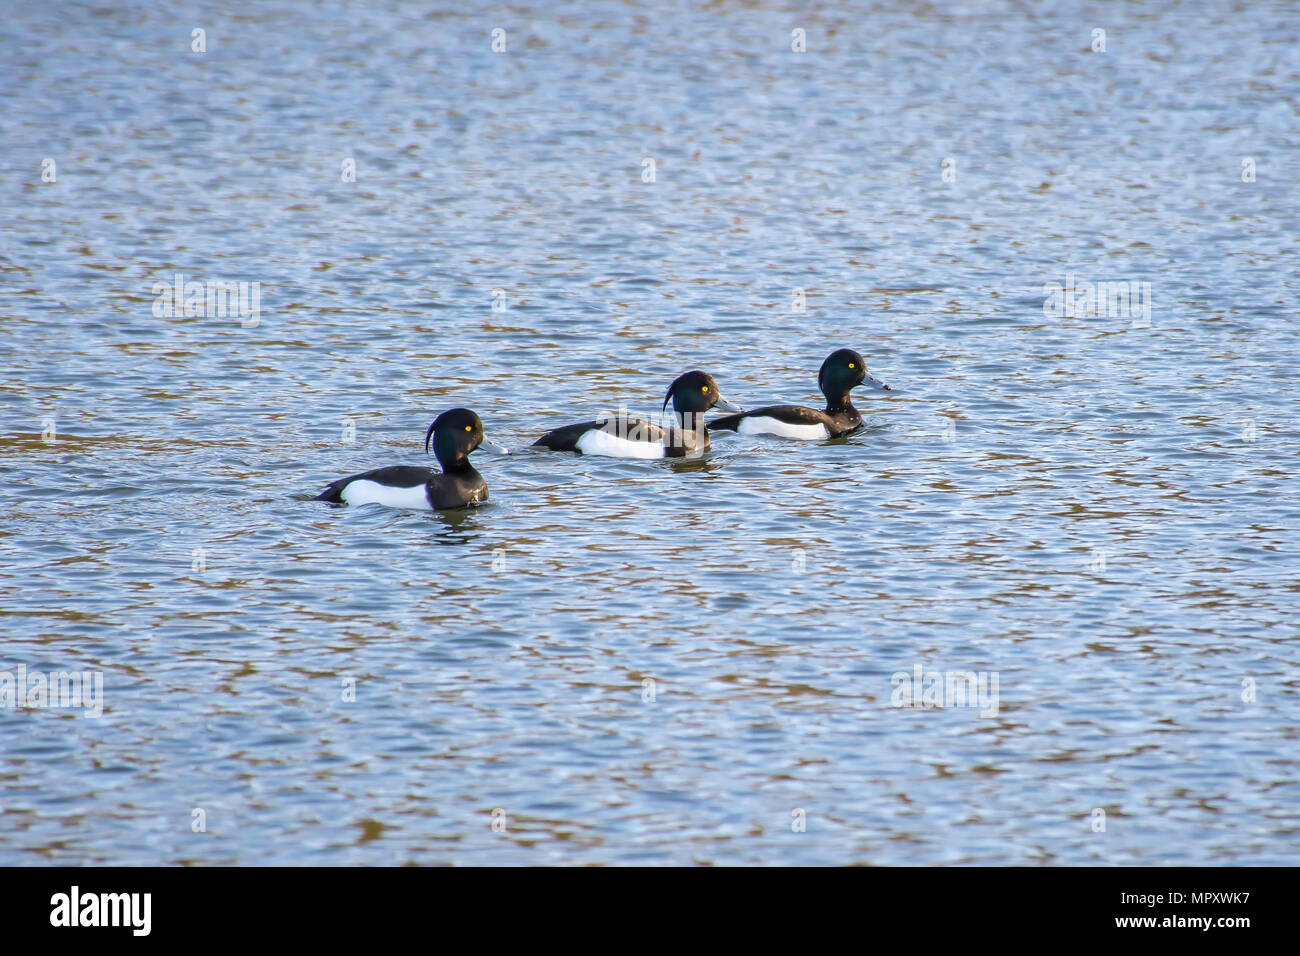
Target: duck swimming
{"type": "Point", "coordinates": [842, 371]}
{"type": "Point", "coordinates": [455, 434]}
{"type": "Point", "coordinates": [624, 436]}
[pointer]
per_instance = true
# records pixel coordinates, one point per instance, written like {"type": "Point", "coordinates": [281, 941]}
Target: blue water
{"type": "Point", "coordinates": [652, 662]}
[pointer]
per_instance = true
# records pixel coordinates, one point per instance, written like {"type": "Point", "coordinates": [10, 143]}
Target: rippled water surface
{"type": "Point", "coordinates": [651, 662]}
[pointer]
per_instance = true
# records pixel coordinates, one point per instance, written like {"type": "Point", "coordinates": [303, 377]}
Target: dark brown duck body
{"type": "Point", "coordinates": [842, 371]}
{"type": "Point", "coordinates": [455, 434]}
{"type": "Point", "coordinates": [626, 436]}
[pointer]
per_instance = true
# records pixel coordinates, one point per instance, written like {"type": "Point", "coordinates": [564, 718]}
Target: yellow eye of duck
{"type": "Point", "coordinates": [704, 388]}
{"type": "Point", "coordinates": [469, 428]}
{"type": "Point", "coordinates": [851, 365]}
